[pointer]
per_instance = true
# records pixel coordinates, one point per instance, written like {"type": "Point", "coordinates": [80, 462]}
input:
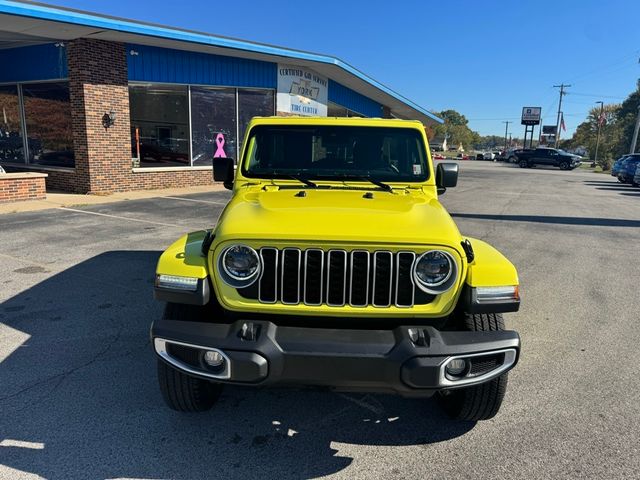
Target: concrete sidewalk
{"type": "Point", "coordinates": [56, 200]}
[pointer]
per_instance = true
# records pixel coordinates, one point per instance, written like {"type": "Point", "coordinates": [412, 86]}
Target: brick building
{"type": "Point", "coordinates": [103, 104]}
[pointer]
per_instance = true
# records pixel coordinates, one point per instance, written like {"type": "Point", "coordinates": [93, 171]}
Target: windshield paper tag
{"type": "Point", "coordinates": [417, 169]}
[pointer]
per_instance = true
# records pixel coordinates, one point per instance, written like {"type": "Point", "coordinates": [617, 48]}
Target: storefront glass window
{"type": "Point", "coordinates": [48, 118]}
{"type": "Point", "coordinates": [213, 124]}
{"type": "Point", "coordinates": [11, 148]}
{"type": "Point", "coordinates": [159, 125]}
{"type": "Point", "coordinates": [253, 103]}
{"type": "Point", "coordinates": [335, 110]}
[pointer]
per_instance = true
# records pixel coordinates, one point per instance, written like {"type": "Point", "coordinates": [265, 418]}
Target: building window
{"type": "Point", "coordinates": [48, 123]}
{"type": "Point", "coordinates": [182, 125]}
{"type": "Point", "coordinates": [160, 125]}
{"type": "Point", "coordinates": [213, 124]}
{"type": "Point", "coordinates": [335, 110]}
{"type": "Point", "coordinates": [11, 146]}
{"type": "Point", "coordinates": [253, 103]}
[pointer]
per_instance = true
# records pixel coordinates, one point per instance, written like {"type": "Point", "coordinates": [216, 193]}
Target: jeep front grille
{"type": "Point", "coordinates": [337, 278]}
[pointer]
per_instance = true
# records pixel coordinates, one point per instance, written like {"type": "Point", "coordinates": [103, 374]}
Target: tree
{"type": "Point", "coordinates": [586, 134]}
{"type": "Point", "coordinates": [428, 129]}
{"type": "Point", "coordinates": [626, 119]}
{"type": "Point", "coordinates": [456, 129]}
{"type": "Point", "coordinates": [615, 133]}
{"type": "Point", "coordinates": [491, 141]}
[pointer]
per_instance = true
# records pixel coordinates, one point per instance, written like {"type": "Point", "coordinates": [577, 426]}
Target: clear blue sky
{"type": "Point", "coordinates": [485, 58]}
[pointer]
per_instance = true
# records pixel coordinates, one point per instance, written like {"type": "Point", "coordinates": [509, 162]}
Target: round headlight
{"type": "Point", "coordinates": [433, 270]}
{"type": "Point", "coordinates": [241, 263]}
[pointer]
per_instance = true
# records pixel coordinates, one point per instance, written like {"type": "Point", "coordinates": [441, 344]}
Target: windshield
{"type": "Point", "coordinates": [336, 152]}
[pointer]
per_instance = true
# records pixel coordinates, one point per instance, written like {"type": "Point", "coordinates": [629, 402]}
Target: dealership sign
{"type": "Point", "coordinates": [301, 91]}
{"type": "Point", "coordinates": [531, 115]}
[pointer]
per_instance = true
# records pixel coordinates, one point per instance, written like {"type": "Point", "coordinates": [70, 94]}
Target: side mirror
{"type": "Point", "coordinates": [223, 171]}
{"type": "Point", "coordinates": [446, 176]}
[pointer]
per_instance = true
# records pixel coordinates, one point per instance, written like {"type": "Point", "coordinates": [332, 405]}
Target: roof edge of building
{"type": "Point", "coordinates": [56, 13]}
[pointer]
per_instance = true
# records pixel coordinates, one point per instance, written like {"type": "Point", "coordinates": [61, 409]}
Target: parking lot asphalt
{"type": "Point", "coordinates": [78, 391]}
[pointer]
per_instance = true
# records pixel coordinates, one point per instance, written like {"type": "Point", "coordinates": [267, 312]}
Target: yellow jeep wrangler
{"type": "Point", "coordinates": [334, 264]}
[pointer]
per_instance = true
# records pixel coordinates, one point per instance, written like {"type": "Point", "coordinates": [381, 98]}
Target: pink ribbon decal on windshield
{"type": "Point", "coordinates": [220, 150]}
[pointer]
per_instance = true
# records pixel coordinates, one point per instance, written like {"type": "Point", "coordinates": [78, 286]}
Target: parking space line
{"type": "Point", "coordinates": [120, 217]}
{"type": "Point", "coordinates": [197, 200]}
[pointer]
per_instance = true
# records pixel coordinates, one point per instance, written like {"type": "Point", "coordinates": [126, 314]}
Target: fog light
{"type": "Point", "coordinates": [213, 359]}
{"type": "Point", "coordinates": [456, 367]}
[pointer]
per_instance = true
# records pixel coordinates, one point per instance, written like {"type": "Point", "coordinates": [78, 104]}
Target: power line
{"type": "Point", "coordinates": [604, 68]}
{"type": "Point", "coordinates": [597, 95]}
{"type": "Point", "coordinates": [491, 119]}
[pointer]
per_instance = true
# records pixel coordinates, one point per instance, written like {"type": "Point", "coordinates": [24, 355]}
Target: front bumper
{"type": "Point", "coordinates": [407, 360]}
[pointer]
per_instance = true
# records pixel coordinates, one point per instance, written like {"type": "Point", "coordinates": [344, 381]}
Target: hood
{"type": "Point", "coordinates": [337, 215]}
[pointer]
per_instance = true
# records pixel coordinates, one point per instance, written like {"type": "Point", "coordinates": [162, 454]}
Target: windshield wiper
{"type": "Point", "coordinates": [360, 178]}
{"type": "Point", "coordinates": [300, 178]}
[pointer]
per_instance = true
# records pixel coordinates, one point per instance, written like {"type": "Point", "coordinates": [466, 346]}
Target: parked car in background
{"type": "Point", "coordinates": [550, 157]}
{"type": "Point", "coordinates": [636, 177]}
{"type": "Point", "coordinates": [462, 156]}
{"type": "Point", "coordinates": [438, 156]}
{"type": "Point", "coordinates": [628, 168]}
{"type": "Point", "coordinates": [501, 156]}
{"type": "Point", "coordinates": [511, 155]}
{"type": "Point", "coordinates": [486, 155]}
{"type": "Point", "coordinates": [615, 168]}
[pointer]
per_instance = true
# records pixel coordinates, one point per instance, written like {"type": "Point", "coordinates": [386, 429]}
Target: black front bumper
{"type": "Point", "coordinates": [408, 360]}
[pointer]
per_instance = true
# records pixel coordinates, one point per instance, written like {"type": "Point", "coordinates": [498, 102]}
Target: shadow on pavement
{"type": "Point", "coordinates": [616, 188]}
{"type": "Point", "coordinates": [587, 221]}
{"type": "Point", "coordinates": [613, 181]}
{"type": "Point", "coordinates": [79, 397]}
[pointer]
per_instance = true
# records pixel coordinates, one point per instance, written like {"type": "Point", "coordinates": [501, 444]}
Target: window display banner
{"type": "Point", "coordinates": [301, 91]}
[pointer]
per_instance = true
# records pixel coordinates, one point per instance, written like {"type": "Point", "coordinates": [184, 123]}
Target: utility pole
{"type": "Point", "coordinates": [506, 129]}
{"type": "Point", "coordinates": [635, 133]}
{"type": "Point", "coordinates": [600, 117]}
{"type": "Point", "coordinates": [562, 86]}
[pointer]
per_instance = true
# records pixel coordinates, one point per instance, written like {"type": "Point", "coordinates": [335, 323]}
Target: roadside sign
{"type": "Point", "coordinates": [531, 115]}
{"type": "Point", "coordinates": [548, 129]}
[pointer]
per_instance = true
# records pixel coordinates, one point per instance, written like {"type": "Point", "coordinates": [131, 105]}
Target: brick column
{"type": "Point", "coordinates": [98, 84]}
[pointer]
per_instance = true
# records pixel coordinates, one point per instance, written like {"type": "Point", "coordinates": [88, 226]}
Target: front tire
{"type": "Point", "coordinates": [184, 393]}
{"type": "Point", "coordinates": [524, 164]}
{"type": "Point", "coordinates": [180, 391]}
{"type": "Point", "coordinates": [564, 166]}
{"type": "Point", "coordinates": [480, 402]}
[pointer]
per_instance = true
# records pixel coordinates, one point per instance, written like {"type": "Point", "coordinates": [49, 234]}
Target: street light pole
{"type": "Point", "coordinates": [595, 160]}
{"type": "Point", "coordinates": [635, 133]}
